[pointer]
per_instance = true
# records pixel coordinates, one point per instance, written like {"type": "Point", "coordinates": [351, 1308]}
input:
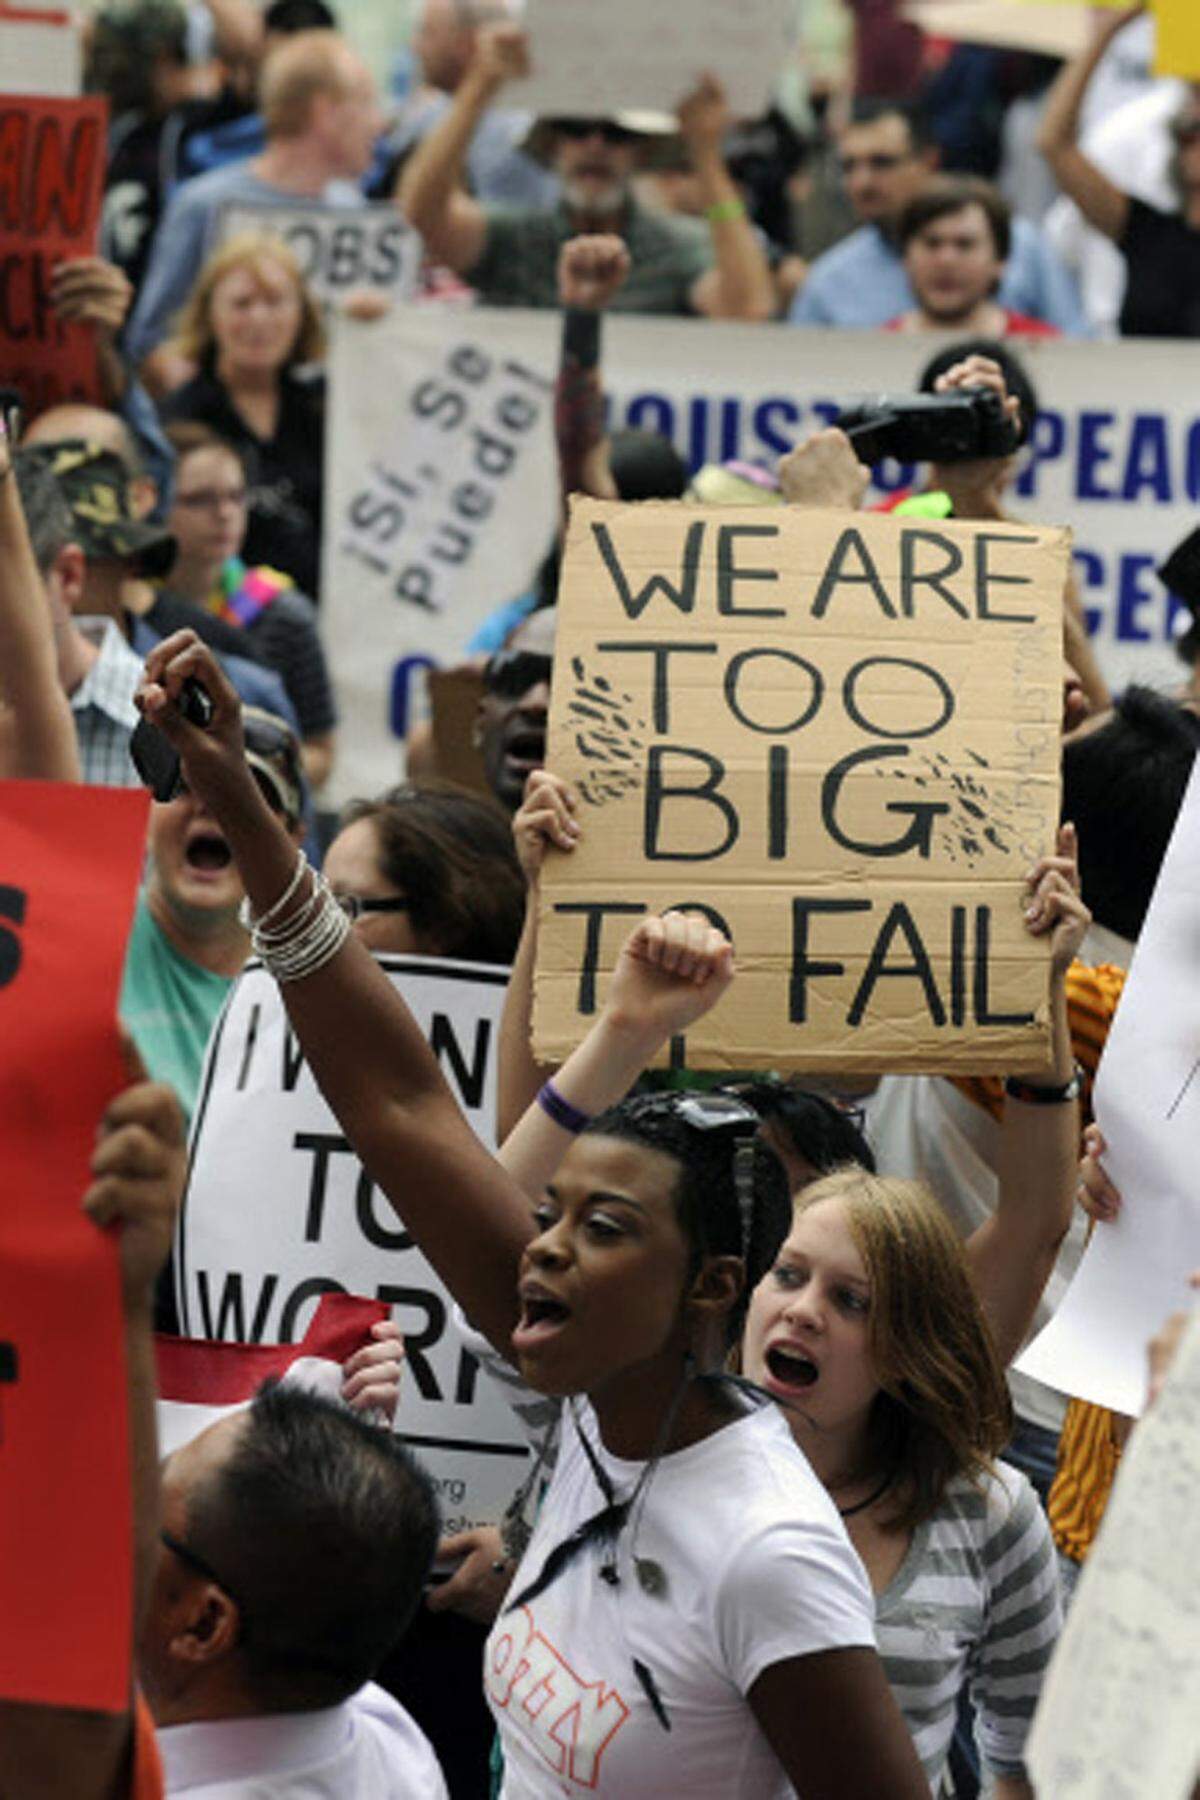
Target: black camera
{"type": "Point", "coordinates": [943, 428]}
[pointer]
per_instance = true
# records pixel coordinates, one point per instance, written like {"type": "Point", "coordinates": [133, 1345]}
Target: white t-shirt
{"type": "Point", "coordinates": [367, 1749]}
{"type": "Point", "coordinates": [758, 1569]}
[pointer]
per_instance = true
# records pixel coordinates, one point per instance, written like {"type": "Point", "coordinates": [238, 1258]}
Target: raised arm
{"type": "Point", "coordinates": [1012, 1253]}
{"type": "Point", "coordinates": [547, 815]}
{"type": "Point", "coordinates": [591, 270]}
{"type": "Point", "coordinates": [740, 285]}
{"type": "Point", "coordinates": [367, 1053]}
{"type": "Point", "coordinates": [430, 192]}
{"type": "Point", "coordinates": [671, 971]}
{"type": "Point", "coordinates": [1100, 200]}
{"type": "Point", "coordinates": [37, 739]}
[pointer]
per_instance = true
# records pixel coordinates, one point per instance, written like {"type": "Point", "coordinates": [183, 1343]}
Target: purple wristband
{"type": "Point", "coordinates": [558, 1108]}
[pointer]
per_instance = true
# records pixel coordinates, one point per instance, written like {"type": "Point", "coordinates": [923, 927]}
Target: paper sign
{"type": "Point", "coordinates": [441, 501]}
{"type": "Point", "coordinates": [590, 60]}
{"type": "Point", "coordinates": [839, 735]}
{"type": "Point", "coordinates": [279, 1211]}
{"type": "Point", "coordinates": [1147, 1103]}
{"type": "Point", "coordinates": [51, 176]}
{"type": "Point", "coordinates": [40, 49]}
{"type": "Point", "coordinates": [1119, 1713]}
{"type": "Point", "coordinates": [1177, 40]}
{"type": "Point", "coordinates": [1050, 29]}
{"type": "Point", "coordinates": [341, 250]}
{"type": "Point", "coordinates": [70, 858]}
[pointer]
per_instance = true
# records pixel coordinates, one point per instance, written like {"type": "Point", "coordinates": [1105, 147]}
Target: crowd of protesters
{"type": "Point", "coordinates": [790, 1523]}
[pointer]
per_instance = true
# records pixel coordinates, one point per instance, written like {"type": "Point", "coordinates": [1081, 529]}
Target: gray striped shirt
{"type": "Point", "coordinates": [975, 1599]}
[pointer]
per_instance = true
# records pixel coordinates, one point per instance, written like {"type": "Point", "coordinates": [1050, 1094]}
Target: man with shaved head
{"type": "Point", "coordinates": [321, 110]}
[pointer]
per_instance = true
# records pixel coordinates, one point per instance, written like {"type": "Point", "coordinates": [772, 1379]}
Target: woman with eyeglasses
{"type": "Point", "coordinates": [688, 1616]}
{"type": "Point", "coordinates": [252, 331]}
{"type": "Point", "coordinates": [428, 869]}
{"type": "Point", "coordinates": [1161, 250]}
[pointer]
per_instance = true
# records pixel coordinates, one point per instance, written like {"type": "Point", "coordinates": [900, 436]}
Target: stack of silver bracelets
{"type": "Point", "coordinates": [306, 941]}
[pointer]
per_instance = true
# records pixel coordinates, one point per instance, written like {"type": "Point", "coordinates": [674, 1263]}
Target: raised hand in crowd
{"type": "Point", "coordinates": [823, 471]}
{"type": "Point", "coordinates": [501, 54]}
{"type": "Point", "coordinates": [87, 290]}
{"type": "Point", "coordinates": [546, 817]}
{"type": "Point", "coordinates": [740, 285]}
{"type": "Point", "coordinates": [37, 731]}
{"type": "Point", "coordinates": [591, 270]}
{"type": "Point", "coordinates": [371, 1377]}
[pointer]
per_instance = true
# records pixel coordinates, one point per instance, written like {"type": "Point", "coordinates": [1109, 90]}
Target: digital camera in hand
{"type": "Point", "coordinates": [964, 426]}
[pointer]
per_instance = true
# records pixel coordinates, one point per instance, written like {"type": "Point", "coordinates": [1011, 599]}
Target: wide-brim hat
{"type": "Point", "coordinates": [539, 140]}
{"type": "Point", "coordinates": [95, 483]}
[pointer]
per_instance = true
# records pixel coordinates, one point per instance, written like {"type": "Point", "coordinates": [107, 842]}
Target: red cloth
{"type": "Point", "coordinates": [1015, 325]}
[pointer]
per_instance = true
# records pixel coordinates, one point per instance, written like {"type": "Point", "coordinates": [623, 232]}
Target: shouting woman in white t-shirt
{"type": "Point", "coordinates": [689, 1616]}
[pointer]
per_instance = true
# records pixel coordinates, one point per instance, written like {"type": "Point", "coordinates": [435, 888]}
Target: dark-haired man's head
{"type": "Point", "coordinates": [954, 236]}
{"type": "Point", "coordinates": [510, 729]}
{"type": "Point", "coordinates": [296, 1543]}
{"type": "Point", "coordinates": [886, 157]}
{"type": "Point", "coordinates": [1124, 778]}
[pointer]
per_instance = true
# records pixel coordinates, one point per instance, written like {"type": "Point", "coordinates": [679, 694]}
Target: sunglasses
{"type": "Point", "coordinates": [608, 129]}
{"type": "Point", "coordinates": [355, 907]}
{"type": "Point", "coordinates": [716, 1113]}
{"type": "Point", "coordinates": [511, 673]}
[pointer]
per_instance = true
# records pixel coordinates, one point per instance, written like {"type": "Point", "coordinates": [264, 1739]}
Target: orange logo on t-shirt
{"type": "Point", "coordinates": [570, 1722]}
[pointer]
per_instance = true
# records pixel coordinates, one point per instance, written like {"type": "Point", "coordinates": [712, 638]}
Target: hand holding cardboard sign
{"type": "Point", "coordinates": [1055, 905]}
{"type": "Point", "coordinates": [546, 816]}
{"type": "Point", "coordinates": [824, 471]}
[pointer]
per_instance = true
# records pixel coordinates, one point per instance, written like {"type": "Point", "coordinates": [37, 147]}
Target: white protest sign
{"type": "Point", "coordinates": [1147, 1102]}
{"type": "Point", "coordinates": [1115, 455]}
{"type": "Point", "coordinates": [441, 501]}
{"type": "Point", "coordinates": [40, 50]}
{"type": "Point", "coordinates": [340, 249]}
{"type": "Point", "coordinates": [589, 59]}
{"type": "Point", "coordinates": [1119, 1715]}
{"type": "Point", "coordinates": [278, 1211]}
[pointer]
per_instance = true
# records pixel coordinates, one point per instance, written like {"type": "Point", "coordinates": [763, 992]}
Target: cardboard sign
{"type": "Point", "coordinates": [839, 735]}
{"type": "Point", "coordinates": [438, 433]}
{"type": "Point", "coordinates": [589, 59]}
{"type": "Point", "coordinates": [340, 249]}
{"type": "Point", "coordinates": [279, 1211]}
{"type": "Point", "coordinates": [1134, 1272]}
{"type": "Point", "coordinates": [66, 1571]}
{"type": "Point", "coordinates": [40, 49]}
{"type": "Point", "coordinates": [51, 176]}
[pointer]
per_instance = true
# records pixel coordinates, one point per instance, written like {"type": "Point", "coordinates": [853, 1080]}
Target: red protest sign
{"type": "Point", "coordinates": [69, 864]}
{"type": "Point", "coordinates": [52, 156]}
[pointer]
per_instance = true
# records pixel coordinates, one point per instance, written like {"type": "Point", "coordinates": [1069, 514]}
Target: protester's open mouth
{"type": "Point", "coordinates": [791, 1368]}
{"type": "Point", "coordinates": [526, 750]}
{"type": "Point", "coordinates": [208, 853]}
{"type": "Point", "coordinates": [542, 1316]}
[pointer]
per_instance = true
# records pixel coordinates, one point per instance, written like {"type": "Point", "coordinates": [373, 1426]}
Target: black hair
{"type": "Point", "coordinates": [299, 15]}
{"type": "Point", "coordinates": [825, 1134]}
{"type": "Point", "coordinates": [324, 1528]}
{"type": "Point", "coordinates": [450, 852]}
{"type": "Point", "coordinates": [1180, 575]}
{"type": "Point", "coordinates": [1016, 376]}
{"type": "Point", "coordinates": [125, 42]}
{"type": "Point", "coordinates": [48, 516]}
{"type": "Point", "coordinates": [645, 465]}
{"type": "Point", "coordinates": [706, 1198]}
{"type": "Point", "coordinates": [1123, 784]}
{"type": "Point", "coordinates": [870, 108]}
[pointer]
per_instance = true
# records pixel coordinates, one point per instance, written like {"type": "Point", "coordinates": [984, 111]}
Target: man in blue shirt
{"type": "Point", "coordinates": [886, 160]}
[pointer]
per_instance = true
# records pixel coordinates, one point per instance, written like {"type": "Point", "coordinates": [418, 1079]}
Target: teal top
{"type": "Point", "coordinates": [169, 1004]}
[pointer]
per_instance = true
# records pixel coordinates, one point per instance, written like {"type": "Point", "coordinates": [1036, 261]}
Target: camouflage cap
{"type": "Point", "coordinates": [273, 752]}
{"type": "Point", "coordinates": [95, 484]}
